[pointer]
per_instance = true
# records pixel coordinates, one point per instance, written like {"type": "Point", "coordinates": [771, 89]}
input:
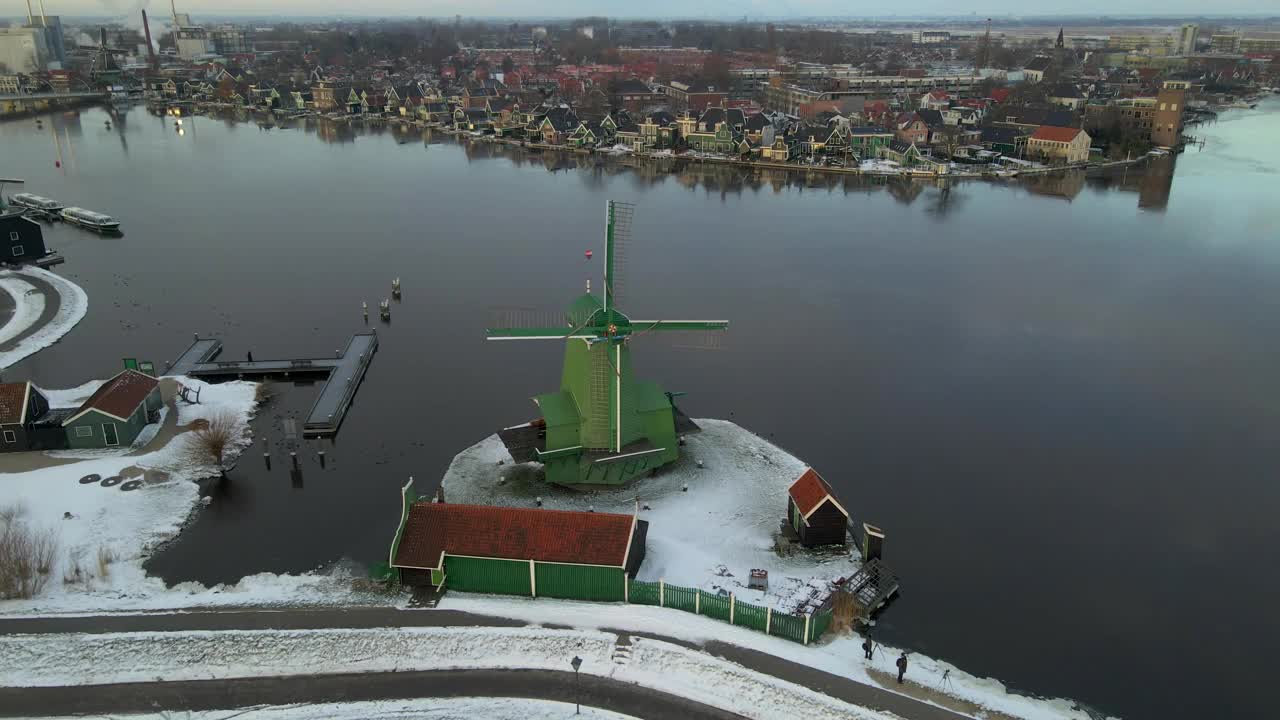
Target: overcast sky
{"type": "Point", "coordinates": [646, 8]}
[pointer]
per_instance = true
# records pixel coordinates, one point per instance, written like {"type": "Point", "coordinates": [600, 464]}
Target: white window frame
{"type": "Point", "coordinates": [80, 431]}
{"type": "Point", "coordinates": [114, 431]}
{"type": "Point", "coordinates": [10, 436]}
{"type": "Point", "coordinates": [17, 251]}
{"type": "Point", "coordinates": [14, 237]}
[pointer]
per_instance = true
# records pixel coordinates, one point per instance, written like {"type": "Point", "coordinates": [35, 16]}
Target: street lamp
{"type": "Point", "coordinates": [576, 662]}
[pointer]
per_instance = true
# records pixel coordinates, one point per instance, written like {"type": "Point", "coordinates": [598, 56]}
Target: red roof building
{"type": "Point", "coordinates": [1049, 133]}
{"type": "Point", "coordinates": [814, 513]}
{"type": "Point", "coordinates": [118, 397]}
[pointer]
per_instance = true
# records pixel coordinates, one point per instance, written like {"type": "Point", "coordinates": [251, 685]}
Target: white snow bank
{"type": "Point", "coordinates": [81, 659]}
{"type": "Point", "coordinates": [28, 303]}
{"type": "Point", "coordinates": [435, 708]}
{"type": "Point", "coordinates": [71, 397]}
{"type": "Point", "coordinates": [839, 656]}
{"type": "Point", "coordinates": [73, 304]}
{"type": "Point", "coordinates": [119, 526]}
{"type": "Point", "coordinates": [741, 486]}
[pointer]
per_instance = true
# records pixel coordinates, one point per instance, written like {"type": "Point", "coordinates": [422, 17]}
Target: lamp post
{"type": "Point", "coordinates": [576, 662]}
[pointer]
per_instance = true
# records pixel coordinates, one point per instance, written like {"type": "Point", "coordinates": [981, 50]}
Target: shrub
{"type": "Point", "coordinates": [207, 443]}
{"type": "Point", "coordinates": [26, 555]}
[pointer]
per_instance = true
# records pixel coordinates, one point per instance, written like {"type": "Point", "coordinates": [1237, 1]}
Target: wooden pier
{"type": "Point", "coordinates": [342, 374]}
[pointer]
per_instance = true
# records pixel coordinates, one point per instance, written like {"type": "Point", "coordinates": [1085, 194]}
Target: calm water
{"type": "Point", "coordinates": [1060, 402]}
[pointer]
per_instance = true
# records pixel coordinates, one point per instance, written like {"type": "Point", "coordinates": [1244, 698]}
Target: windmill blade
{"type": "Point", "coordinates": [617, 243]}
{"type": "Point", "coordinates": [523, 323]}
{"type": "Point", "coordinates": [685, 339]}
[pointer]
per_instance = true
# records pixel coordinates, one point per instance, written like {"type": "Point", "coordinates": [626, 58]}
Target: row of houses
{"type": "Point", "coordinates": [113, 416]}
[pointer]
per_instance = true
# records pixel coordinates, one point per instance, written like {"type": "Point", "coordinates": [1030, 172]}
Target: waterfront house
{"type": "Point", "coordinates": [1059, 144]}
{"type": "Point", "coordinates": [115, 413]}
{"type": "Point", "coordinates": [556, 125]}
{"type": "Point", "coordinates": [934, 121]}
{"type": "Point", "coordinates": [753, 129]}
{"type": "Point", "coordinates": [722, 140]}
{"type": "Point", "coordinates": [629, 134]}
{"type": "Point", "coordinates": [22, 407]}
{"type": "Point", "coordinates": [477, 97]}
{"type": "Point", "coordinates": [659, 130]}
{"type": "Point", "coordinates": [912, 157]}
{"type": "Point", "coordinates": [323, 95]}
{"type": "Point", "coordinates": [814, 513]}
{"type": "Point", "coordinates": [783, 149]}
{"type": "Point", "coordinates": [435, 111]}
{"type": "Point", "coordinates": [21, 239]}
{"type": "Point", "coordinates": [911, 129]}
{"type": "Point", "coordinates": [472, 119]}
{"type": "Point", "coordinates": [1005, 140]}
{"type": "Point", "coordinates": [865, 142]}
{"type": "Point", "coordinates": [517, 551]}
{"type": "Point", "coordinates": [587, 134]}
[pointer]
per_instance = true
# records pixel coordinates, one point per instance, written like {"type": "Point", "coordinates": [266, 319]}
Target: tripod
{"type": "Point", "coordinates": [946, 681]}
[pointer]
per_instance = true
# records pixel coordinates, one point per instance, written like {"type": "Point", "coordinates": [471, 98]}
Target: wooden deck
{"type": "Point", "coordinates": [342, 375]}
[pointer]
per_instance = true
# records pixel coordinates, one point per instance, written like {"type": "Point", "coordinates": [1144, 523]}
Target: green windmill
{"type": "Point", "coordinates": [603, 426]}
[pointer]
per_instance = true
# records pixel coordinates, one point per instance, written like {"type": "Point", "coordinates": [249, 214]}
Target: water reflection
{"type": "Point", "coordinates": [1152, 181]}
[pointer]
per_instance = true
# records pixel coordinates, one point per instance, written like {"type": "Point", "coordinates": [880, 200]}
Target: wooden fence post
{"type": "Point", "coordinates": [626, 587]}
{"type": "Point", "coordinates": [806, 628]}
{"type": "Point", "coordinates": [697, 602]}
{"type": "Point", "coordinates": [732, 603]}
{"type": "Point", "coordinates": [768, 620]}
{"type": "Point", "coordinates": [533, 579]}
{"type": "Point", "coordinates": [662, 592]}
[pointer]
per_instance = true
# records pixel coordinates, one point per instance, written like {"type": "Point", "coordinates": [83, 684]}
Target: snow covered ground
{"type": "Point", "coordinates": [74, 659]}
{"type": "Point", "coordinates": [841, 656]}
{"type": "Point", "coordinates": [709, 536]}
{"type": "Point", "coordinates": [105, 532]}
{"type": "Point", "coordinates": [420, 709]}
{"type": "Point", "coordinates": [73, 303]}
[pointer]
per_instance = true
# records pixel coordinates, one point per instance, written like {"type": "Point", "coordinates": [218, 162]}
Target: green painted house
{"type": "Point", "coordinates": [722, 140]}
{"type": "Point", "coordinates": [865, 142]}
{"type": "Point", "coordinates": [517, 551]}
{"type": "Point", "coordinates": [115, 413]}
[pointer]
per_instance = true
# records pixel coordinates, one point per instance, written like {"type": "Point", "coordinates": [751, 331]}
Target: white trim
{"type": "Point", "coordinates": [533, 578]}
{"type": "Point", "coordinates": [768, 620]}
{"type": "Point", "coordinates": [615, 458]}
{"type": "Point", "coordinates": [84, 410]}
{"type": "Point", "coordinates": [553, 562]}
{"type": "Point", "coordinates": [626, 554]}
{"type": "Point", "coordinates": [26, 395]}
{"type": "Point", "coordinates": [114, 431]}
{"type": "Point", "coordinates": [542, 337]}
{"type": "Point", "coordinates": [84, 427]}
{"type": "Point", "coordinates": [824, 499]}
{"type": "Point", "coordinates": [732, 602]}
{"type": "Point", "coordinates": [404, 518]}
{"type": "Point", "coordinates": [617, 380]}
{"type": "Point", "coordinates": [7, 433]}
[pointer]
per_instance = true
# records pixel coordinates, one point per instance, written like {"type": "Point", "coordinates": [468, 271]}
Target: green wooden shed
{"type": "Point", "coordinates": [115, 413]}
{"type": "Point", "coordinates": [517, 551]}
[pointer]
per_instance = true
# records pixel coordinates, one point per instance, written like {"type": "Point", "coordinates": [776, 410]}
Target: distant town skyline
{"type": "Point", "coordinates": [718, 9]}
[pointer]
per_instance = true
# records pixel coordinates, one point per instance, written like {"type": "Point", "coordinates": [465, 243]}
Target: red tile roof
{"type": "Point", "coordinates": [562, 536]}
{"type": "Point", "coordinates": [120, 395]}
{"type": "Point", "coordinates": [13, 397]}
{"type": "Point", "coordinates": [809, 491]}
{"type": "Point", "coordinates": [1056, 134]}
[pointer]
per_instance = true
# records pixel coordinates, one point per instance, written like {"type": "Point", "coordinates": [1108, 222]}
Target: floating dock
{"type": "Point", "coordinates": [343, 375]}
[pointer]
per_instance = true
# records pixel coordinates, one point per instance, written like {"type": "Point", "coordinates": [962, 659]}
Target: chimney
{"type": "Point", "coordinates": [151, 49]}
{"type": "Point", "coordinates": [440, 493]}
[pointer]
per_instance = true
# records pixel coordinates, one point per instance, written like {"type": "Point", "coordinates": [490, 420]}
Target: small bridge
{"type": "Point", "coordinates": [342, 374]}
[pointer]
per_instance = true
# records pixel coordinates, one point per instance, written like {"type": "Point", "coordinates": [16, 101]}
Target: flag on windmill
{"type": "Point", "coordinates": [603, 426]}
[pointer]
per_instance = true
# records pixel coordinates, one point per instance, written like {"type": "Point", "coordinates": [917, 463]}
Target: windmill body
{"type": "Point", "coordinates": [603, 426]}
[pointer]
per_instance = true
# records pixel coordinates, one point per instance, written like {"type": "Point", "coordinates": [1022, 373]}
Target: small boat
{"type": "Point", "coordinates": [39, 205]}
{"type": "Point", "coordinates": [90, 219]}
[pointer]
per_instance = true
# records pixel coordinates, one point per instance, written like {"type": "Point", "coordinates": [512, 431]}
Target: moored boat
{"type": "Point", "coordinates": [37, 205]}
{"type": "Point", "coordinates": [90, 219]}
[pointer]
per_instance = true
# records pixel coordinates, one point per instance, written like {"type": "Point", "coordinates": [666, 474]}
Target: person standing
{"type": "Point", "coordinates": [902, 666]}
{"type": "Point", "coordinates": [867, 647]}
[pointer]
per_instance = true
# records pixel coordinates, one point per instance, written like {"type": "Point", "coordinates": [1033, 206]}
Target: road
{"type": "Point", "coordinates": [237, 693]}
{"type": "Point", "coordinates": [52, 302]}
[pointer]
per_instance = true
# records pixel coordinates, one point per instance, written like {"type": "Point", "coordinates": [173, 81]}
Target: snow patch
{"type": "Point", "coordinates": [28, 303]}
{"type": "Point", "coordinates": [434, 708]}
{"type": "Point", "coordinates": [73, 304]}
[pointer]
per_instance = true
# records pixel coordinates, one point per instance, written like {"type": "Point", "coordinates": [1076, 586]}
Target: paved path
{"type": "Point", "coordinates": [368, 617]}
{"type": "Point", "coordinates": [52, 302]}
{"type": "Point", "coordinates": [595, 691]}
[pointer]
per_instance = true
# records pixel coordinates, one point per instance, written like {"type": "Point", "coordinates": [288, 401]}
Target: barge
{"type": "Point", "coordinates": [90, 219]}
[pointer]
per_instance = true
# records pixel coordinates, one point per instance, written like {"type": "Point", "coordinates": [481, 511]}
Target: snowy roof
{"type": "Point", "coordinates": [810, 491]}
{"type": "Point", "coordinates": [13, 402]}
{"type": "Point", "coordinates": [119, 396]}
{"type": "Point", "coordinates": [561, 536]}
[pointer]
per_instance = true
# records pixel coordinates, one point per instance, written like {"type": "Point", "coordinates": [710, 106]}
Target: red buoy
{"type": "Point", "coordinates": [588, 254]}
{"type": "Point", "coordinates": [57, 163]}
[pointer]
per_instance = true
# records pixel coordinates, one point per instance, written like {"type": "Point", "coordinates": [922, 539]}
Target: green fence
{"type": "Point", "coordinates": [488, 575]}
{"type": "Point", "coordinates": [727, 608]}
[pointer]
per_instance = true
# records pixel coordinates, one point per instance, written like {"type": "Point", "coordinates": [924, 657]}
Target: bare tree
{"type": "Point", "coordinates": [26, 556]}
{"type": "Point", "coordinates": [208, 443]}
